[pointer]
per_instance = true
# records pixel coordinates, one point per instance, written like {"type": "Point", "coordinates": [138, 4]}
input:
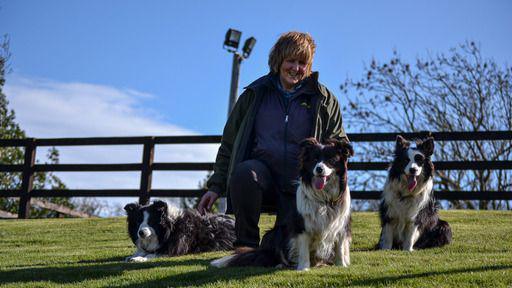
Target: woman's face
{"type": "Point", "coordinates": [291, 72]}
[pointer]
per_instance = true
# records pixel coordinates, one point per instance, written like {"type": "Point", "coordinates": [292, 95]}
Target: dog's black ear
{"type": "Point", "coordinates": [344, 147]}
{"type": "Point", "coordinates": [160, 205]}
{"type": "Point", "coordinates": [348, 148]}
{"type": "Point", "coordinates": [401, 143]}
{"type": "Point", "coordinates": [426, 146]}
{"type": "Point", "coordinates": [131, 207]}
{"type": "Point", "coordinates": [307, 144]}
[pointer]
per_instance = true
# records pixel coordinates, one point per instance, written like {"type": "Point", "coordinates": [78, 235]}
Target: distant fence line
{"type": "Point", "coordinates": [147, 166]}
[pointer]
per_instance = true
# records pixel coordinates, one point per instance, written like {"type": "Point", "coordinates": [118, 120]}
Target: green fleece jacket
{"type": "Point", "coordinates": [235, 143]}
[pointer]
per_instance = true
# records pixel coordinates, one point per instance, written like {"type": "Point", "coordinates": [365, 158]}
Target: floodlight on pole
{"type": "Point", "coordinates": [231, 43]}
{"type": "Point", "coordinates": [248, 45]}
{"type": "Point", "coordinates": [232, 40]}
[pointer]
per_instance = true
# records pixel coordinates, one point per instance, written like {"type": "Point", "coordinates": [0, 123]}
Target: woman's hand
{"type": "Point", "coordinates": [206, 203]}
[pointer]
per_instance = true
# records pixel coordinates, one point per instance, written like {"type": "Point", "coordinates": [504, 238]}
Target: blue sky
{"type": "Point", "coordinates": [120, 68]}
{"type": "Point", "coordinates": [172, 50]}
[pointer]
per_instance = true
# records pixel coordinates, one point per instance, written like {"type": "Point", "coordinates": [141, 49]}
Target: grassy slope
{"type": "Point", "coordinates": [89, 253]}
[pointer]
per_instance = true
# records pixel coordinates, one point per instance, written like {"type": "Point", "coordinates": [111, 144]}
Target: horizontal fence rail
{"type": "Point", "coordinates": [356, 166]}
{"type": "Point", "coordinates": [215, 139]}
{"type": "Point", "coordinates": [147, 166]}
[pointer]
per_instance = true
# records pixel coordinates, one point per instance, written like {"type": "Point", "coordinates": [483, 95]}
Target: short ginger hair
{"type": "Point", "coordinates": [293, 44]}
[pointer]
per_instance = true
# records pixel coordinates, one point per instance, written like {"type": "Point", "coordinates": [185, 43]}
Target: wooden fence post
{"type": "Point", "coordinates": [27, 181]}
{"type": "Point", "coordinates": [147, 170]}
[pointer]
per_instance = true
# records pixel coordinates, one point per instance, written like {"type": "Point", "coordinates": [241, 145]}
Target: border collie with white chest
{"type": "Point", "coordinates": [162, 230]}
{"type": "Point", "coordinates": [319, 229]}
{"type": "Point", "coordinates": [408, 210]}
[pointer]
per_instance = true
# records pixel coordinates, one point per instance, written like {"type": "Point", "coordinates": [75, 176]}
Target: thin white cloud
{"type": "Point", "coordinates": [51, 109]}
{"type": "Point", "coordinates": [54, 109]}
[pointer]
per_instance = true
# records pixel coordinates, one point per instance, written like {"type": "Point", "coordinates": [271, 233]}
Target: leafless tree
{"type": "Point", "coordinates": [457, 91]}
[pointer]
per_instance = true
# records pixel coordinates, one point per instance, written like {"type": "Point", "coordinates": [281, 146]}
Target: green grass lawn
{"type": "Point", "coordinates": [90, 253]}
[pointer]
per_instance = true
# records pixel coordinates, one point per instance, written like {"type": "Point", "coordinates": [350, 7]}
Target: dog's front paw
{"type": "Point", "coordinates": [136, 259]}
{"type": "Point", "coordinates": [408, 247]}
{"type": "Point", "coordinates": [342, 263]}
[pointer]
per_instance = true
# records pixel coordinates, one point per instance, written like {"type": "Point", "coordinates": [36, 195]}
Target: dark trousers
{"type": "Point", "coordinates": [252, 186]}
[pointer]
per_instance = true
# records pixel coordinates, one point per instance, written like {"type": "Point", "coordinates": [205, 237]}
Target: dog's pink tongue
{"type": "Point", "coordinates": [411, 182]}
{"type": "Point", "coordinates": [319, 182]}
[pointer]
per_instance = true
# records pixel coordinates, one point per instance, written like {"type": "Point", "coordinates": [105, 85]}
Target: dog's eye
{"type": "Point", "coordinates": [332, 161]}
{"type": "Point", "coordinates": [419, 159]}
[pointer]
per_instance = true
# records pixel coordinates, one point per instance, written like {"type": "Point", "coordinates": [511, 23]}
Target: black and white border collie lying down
{"type": "Point", "coordinates": [319, 229]}
{"type": "Point", "coordinates": [159, 229]}
{"type": "Point", "coordinates": [408, 210]}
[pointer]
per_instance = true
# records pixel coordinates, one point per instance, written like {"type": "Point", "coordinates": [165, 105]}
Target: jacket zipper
{"type": "Point", "coordinates": [287, 110]}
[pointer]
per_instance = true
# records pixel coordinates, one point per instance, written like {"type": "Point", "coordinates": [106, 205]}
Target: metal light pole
{"type": "Point", "coordinates": [235, 73]}
{"type": "Point", "coordinates": [231, 43]}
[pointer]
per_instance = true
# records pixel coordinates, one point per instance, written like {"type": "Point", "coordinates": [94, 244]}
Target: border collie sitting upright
{"type": "Point", "coordinates": [408, 210]}
{"type": "Point", "coordinates": [162, 230]}
{"type": "Point", "coordinates": [319, 229]}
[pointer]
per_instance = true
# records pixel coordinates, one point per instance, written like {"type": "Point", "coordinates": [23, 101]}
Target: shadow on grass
{"type": "Point", "coordinates": [73, 273]}
{"type": "Point", "coordinates": [208, 276]}
{"type": "Point", "coordinates": [89, 270]}
{"type": "Point", "coordinates": [389, 280]}
{"type": "Point", "coordinates": [106, 260]}
{"type": "Point", "coordinates": [85, 270]}
{"type": "Point", "coordinates": [66, 262]}
{"type": "Point", "coordinates": [111, 267]}
{"type": "Point", "coordinates": [233, 274]}
{"type": "Point", "coordinates": [213, 275]}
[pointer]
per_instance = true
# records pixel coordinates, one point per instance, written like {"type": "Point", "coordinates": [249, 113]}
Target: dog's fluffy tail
{"type": "Point", "coordinates": [258, 257]}
{"type": "Point", "coordinates": [439, 236]}
{"type": "Point", "coordinates": [272, 252]}
{"type": "Point", "coordinates": [223, 262]}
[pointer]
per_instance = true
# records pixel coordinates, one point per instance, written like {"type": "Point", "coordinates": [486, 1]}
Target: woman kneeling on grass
{"type": "Point", "coordinates": [257, 162]}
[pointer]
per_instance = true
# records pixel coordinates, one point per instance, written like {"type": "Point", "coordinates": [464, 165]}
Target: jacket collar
{"type": "Point", "coordinates": [311, 83]}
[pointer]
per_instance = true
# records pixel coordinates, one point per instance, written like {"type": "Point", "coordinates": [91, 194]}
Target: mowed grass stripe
{"type": "Point", "coordinates": [90, 253]}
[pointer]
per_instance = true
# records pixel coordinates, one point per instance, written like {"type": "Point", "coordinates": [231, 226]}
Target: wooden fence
{"type": "Point", "coordinates": [147, 166]}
